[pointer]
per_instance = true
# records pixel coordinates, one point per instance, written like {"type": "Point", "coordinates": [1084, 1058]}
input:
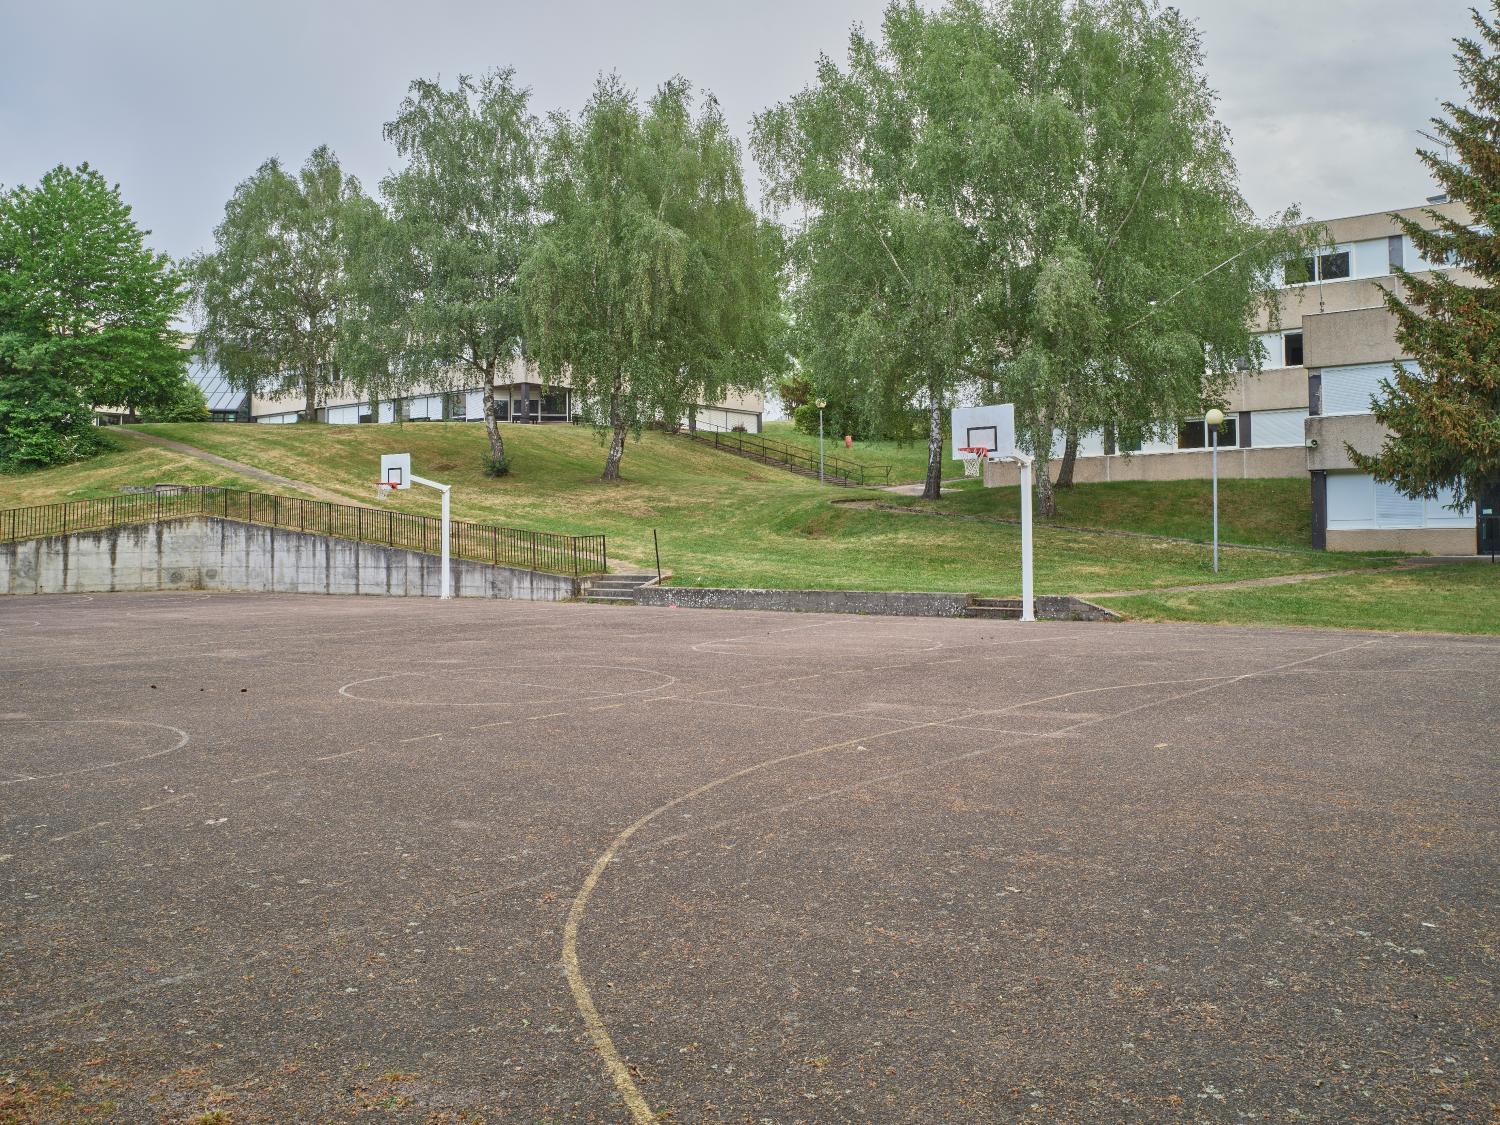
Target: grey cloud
{"type": "Point", "coordinates": [178, 101]}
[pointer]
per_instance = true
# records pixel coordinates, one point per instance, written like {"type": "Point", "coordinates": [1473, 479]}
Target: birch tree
{"type": "Point", "coordinates": [1030, 200]}
{"type": "Point", "coordinates": [653, 286]}
{"type": "Point", "coordinates": [271, 295]}
{"type": "Point", "coordinates": [462, 217]}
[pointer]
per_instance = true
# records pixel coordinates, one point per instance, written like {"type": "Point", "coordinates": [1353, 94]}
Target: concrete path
{"type": "Point", "coordinates": [239, 467]}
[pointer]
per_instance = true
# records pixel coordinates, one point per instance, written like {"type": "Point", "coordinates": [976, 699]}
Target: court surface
{"type": "Point", "coordinates": [305, 859]}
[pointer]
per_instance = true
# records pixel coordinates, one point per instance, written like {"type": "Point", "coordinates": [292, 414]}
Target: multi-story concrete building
{"type": "Point", "coordinates": [520, 396]}
{"type": "Point", "coordinates": [1323, 365]}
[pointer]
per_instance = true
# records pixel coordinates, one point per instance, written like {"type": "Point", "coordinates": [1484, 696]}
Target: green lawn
{"type": "Point", "coordinates": [1463, 598]}
{"type": "Point", "coordinates": [723, 520]}
{"type": "Point", "coordinates": [130, 462]}
{"type": "Point", "coordinates": [1267, 513]}
{"type": "Point", "coordinates": [907, 460]}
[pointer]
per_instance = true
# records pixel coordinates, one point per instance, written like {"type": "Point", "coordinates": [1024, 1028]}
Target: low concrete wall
{"type": "Point", "coordinates": [205, 553]}
{"type": "Point", "coordinates": [1433, 540]}
{"type": "Point", "coordinates": [1234, 464]}
{"type": "Point", "coordinates": [807, 601]}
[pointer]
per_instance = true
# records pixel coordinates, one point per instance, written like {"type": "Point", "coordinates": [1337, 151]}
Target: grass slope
{"type": "Point", "coordinates": [1462, 598]}
{"type": "Point", "coordinates": [1264, 513]}
{"type": "Point", "coordinates": [723, 520]}
{"type": "Point", "coordinates": [907, 460]}
{"type": "Point", "coordinates": [129, 462]}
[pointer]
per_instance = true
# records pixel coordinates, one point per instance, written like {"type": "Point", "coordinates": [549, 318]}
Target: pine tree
{"type": "Point", "coordinates": [1443, 407]}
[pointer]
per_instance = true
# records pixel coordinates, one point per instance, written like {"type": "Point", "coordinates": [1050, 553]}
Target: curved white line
{"type": "Point", "coordinates": [182, 740]}
{"type": "Point", "coordinates": [529, 702]}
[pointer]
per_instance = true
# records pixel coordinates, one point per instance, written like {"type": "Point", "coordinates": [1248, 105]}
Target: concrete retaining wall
{"type": "Point", "coordinates": [206, 553]}
{"type": "Point", "coordinates": [806, 601]}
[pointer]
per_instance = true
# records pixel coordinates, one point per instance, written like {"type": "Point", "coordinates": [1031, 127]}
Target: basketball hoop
{"type": "Point", "coordinates": [973, 458]}
{"type": "Point", "coordinates": [383, 488]}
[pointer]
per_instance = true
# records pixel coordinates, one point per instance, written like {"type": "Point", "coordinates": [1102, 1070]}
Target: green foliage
{"type": "Point", "coordinates": [652, 286]}
{"type": "Point", "coordinates": [1443, 409]}
{"type": "Point", "coordinates": [440, 276]}
{"type": "Point", "coordinates": [185, 403]}
{"type": "Point", "coordinates": [274, 297]}
{"type": "Point", "coordinates": [495, 466]}
{"type": "Point", "coordinates": [1024, 201]}
{"type": "Point", "coordinates": [86, 314]}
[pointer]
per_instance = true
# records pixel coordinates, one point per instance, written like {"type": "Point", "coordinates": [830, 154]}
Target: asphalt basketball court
{"type": "Point", "coordinates": [301, 859]}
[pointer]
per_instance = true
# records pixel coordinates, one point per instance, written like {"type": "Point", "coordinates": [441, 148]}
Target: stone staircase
{"type": "Point", "coordinates": [994, 609]}
{"type": "Point", "coordinates": [614, 589]}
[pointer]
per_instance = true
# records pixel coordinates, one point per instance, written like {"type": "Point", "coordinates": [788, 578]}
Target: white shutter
{"type": "Point", "coordinates": [343, 415]}
{"type": "Point", "coordinates": [1394, 510]}
{"type": "Point", "coordinates": [1349, 390]}
{"type": "Point", "coordinates": [1351, 501]}
{"type": "Point", "coordinates": [474, 405]}
{"type": "Point", "coordinates": [1271, 428]}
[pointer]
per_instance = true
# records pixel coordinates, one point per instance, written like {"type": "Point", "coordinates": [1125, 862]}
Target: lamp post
{"type": "Point", "coordinates": [822, 402]}
{"type": "Point", "coordinates": [1215, 419]}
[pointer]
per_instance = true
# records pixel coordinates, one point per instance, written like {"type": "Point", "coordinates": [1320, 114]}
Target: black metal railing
{"type": "Point", "coordinates": [836, 470]}
{"type": "Point", "coordinates": [575, 555]}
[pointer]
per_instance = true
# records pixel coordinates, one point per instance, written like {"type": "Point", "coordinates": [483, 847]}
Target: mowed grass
{"type": "Point", "coordinates": [907, 460]}
{"type": "Point", "coordinates": [1458, 598]}
{"type": "Point", "coordinates": [1265, 513]}
{"type": "Point", "coordinates": [130, 462]}
{"type": "Point", "coordinates": [722, 520]}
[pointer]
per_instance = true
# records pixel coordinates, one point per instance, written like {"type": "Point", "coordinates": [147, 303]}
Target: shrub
{"type": "Point", "coordinates": [495, 466]}
{"type": "Point", "coordinates": [738, 428]}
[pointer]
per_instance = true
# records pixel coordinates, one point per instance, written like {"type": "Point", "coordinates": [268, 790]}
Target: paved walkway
{"type": "Point", "coordinates": [238, 466]}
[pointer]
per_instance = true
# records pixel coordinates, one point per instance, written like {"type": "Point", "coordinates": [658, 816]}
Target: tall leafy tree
{"type": "Point", "coordinates": [462, 217]}
{"type": "Point", "coordinates": [1443, 409]}
{"type": "Point", "coordinates": [1030, 199]}
{"type": "Point", "coordinates": [653, 285]}
{"type": "Point", "coordinates": [86, 316]}
{"type": "Point", "coordinates": [272, 296]}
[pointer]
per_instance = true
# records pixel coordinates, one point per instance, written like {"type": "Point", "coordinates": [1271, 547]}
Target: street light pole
{"type": "Point", "coordinates": [1215, 419]}
{"type": "Point", "coordinates": [821, 404]}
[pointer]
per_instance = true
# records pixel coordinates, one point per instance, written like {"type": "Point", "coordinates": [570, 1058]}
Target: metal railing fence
{"type": "Point", "coordinates": [837, 469]}
{"type": "Point", "coordinates": [575, 555]}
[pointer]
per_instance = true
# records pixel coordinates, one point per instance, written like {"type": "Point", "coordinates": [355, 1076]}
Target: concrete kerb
{"type": "Point", "coordinates": [880, 603]}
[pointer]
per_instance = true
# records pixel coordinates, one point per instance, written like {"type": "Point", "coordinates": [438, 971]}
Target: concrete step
{"type": "Point", "coordinates": [609, 599]}
{"type": "Point", "coordinates": [994, 609]}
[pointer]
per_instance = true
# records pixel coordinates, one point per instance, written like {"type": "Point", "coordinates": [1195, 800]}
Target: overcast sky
{"type": "Point", "coordinates": [179, 100]}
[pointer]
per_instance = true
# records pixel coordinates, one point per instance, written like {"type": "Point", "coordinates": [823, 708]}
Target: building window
{"type": "Point", "coordinates": [1293, 349]}
{"type": "Point", "coordinates": [1330, 266]}
{"type": "Point", "coordinates": [1194, 434]}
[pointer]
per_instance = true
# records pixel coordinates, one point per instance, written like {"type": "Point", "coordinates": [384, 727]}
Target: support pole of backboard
{"type": "Point", "coordinates": [1028, 602]}
{"type": "Point", "coordinates": [447, 583]}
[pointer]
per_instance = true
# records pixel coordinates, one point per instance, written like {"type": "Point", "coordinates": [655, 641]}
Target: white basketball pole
{"type": "Point", "coordinates": [447, 586]}
{"type": "Point", "coordinates": [1028, 602]}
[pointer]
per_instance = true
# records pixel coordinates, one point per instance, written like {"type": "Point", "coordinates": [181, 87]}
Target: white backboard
{"type": "Point", "coordinates": [395, 468]}
{"type": "Point", "coordinates": [993, 427]}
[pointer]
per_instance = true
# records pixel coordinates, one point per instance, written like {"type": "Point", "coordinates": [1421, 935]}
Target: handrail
{"type": "Point", "coordinates": [839, 469]}
{"type": "Point", "coordinates": [575, 555]}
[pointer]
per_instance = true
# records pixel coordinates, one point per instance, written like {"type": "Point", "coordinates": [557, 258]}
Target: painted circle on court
{"type": "Point", "coordinates": [506, 685]}
{"type": "Point", "coordinates": [36, 749]}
